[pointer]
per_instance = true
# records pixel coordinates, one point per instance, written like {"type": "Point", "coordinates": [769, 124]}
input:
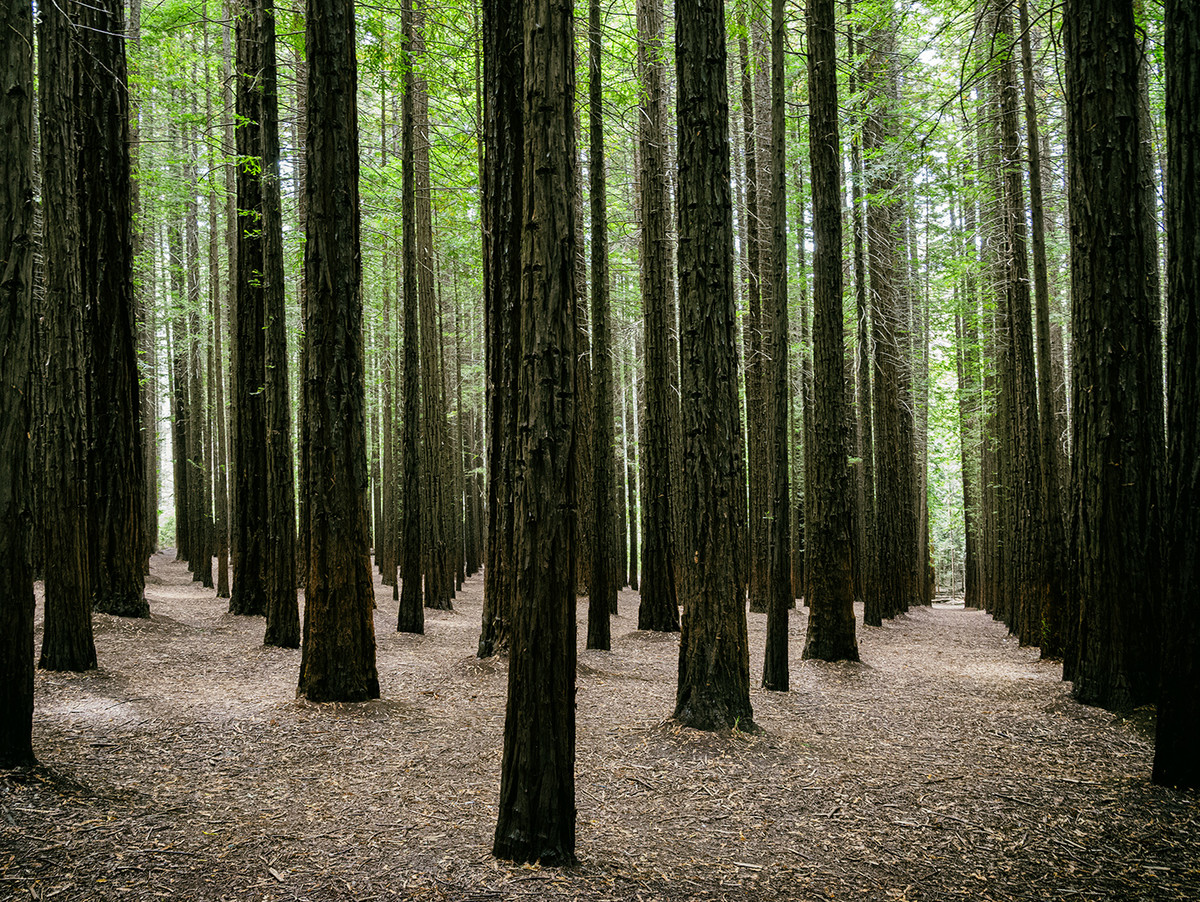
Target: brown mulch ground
{"type": "Point", "coordinates": [950, 765]}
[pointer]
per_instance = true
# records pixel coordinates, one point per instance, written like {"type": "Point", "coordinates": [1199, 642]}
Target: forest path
{"type": "Point", "coordinates": [951, 764]}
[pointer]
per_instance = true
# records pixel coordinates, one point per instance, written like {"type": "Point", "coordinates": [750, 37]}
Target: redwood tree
{"type": "Point", "coordinates": [714, 664]}
{"type": "Point", "coordinates": [338, 660]}
{"type": "Point", "coordinates": [16, 334]}
{"type": "Point", "coordinates": [537, 783]}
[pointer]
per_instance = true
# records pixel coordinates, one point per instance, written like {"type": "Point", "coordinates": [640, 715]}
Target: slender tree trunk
{"type": "Point", "coordinates": [775, 387]}
{"type": "Point", "coordinates": [411, 616]}
{"type": "Point", "coordinates": [602, 593]}
{"type": "Point", "coordinates": [658, 608]}
{"type": "Point", "coordinates": [338, 658]}
{"type": "Point", "coordinates": [17, 247]}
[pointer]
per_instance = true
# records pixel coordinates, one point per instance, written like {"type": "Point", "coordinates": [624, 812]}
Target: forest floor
{"type": "Point", "coordinates": [950, 764]}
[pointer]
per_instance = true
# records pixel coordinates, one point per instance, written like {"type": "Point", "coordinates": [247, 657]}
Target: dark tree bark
{"type": "Point", "coordinates": [251, 495]}
{"type": "Point", "coordinates": [338, 660]}
{"type": "Point", "coordinates": [106, 275]}
{"type": "Point", "coordinates": [890, 355]}
{"type": "Point", "coordinates": [714, 668]}
{"type": "Point", "coordinates": [775, 388]}
{"type": "Point", "coordinates": [631, 466]}
{"type": "Point", "coordinates": [1116, 386]}
{"type": "Point", "coordinates": [537, 783]}
{"type": "Point", "coordinates": [411, 615]}
{"type": "Point", "coordinates": [827, 511]}
{"type": "Point", "coordinates": [503, 190]}
{"type": "Point", "coordinates": [602, 593]}
{"type": "Point", "coordinates": [659, 607]}
{"type": "Point", "coordinates": [17, 245]}
{"type": "Point", "coordinates": [283, 614]}
{"type": "Point", "coordinates": [1051, 614]}
{"type": "Point", "coordinates": [67, 638]}
{"type": "Point", "coordinates": [1178, 728]}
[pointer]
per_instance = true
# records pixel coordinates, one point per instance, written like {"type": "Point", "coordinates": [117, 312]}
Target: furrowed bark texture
{"type": "Point", "coordinates": [537, 782]}
{"type": "Point", "coordinates": [16, 344]}
{"type": "Point", "coordinates": [714, 668]}
{"type": "Point", "coordinates": [338, 660]}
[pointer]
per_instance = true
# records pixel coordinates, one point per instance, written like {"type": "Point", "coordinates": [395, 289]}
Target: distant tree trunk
{"type": "Point", "coordinates": [537, 786]}
{"type": "Point", "coordinates": [411, 616]}
{"type": "Point", "coordinates": [231, 277]}
{"type": "Point", "coordinates": [1116, 385]}
{"type": "Point", "coordinates": [251, 509]}
{"type": "Point", "coordinates": [775, 387]}
{"type": "Point", "coordinates": [714, 666]}
{"type": "Point", "coordinates": [216, 364]}
{"type": "Point", "coordinates": [106, 274]}
{"type": "Point", "coordinates": [198, 483]}
{"type": "Point", "coordinates": [602, 593]}
{"type": "Point", "coordinates": [631, 463]}
{"type": "Point", "coordinates": [1178, 728]}
{"type": "Point", "coordinates": [503, 191]}
{"type": "Point", "coordinates": [892, 501]}
{"type": "Point", "coordinates": [1051, 614]}
{"type": "Point", "coordinates": [752, 327]}
{"type": "Point", "coordinates": [67, 638]}
{"type": "Point", "coordinates": [659, 607]}
{"type": "Point", "coordinates": [439, 577]}
{"type": "Point", "coordinates": [830, 580]}
{"type": "Point", "coordinates": [304, 532]}
{"type": "Point", "coordinates": [338, 658]}
{"type": "Point", "coordinates": [283, 615]}
{"type": "Point", "coordinates": [17, 247]}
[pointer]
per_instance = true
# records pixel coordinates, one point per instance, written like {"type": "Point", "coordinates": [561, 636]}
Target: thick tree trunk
{"type": "Point", "coordinates": [17, 247]}
{"type": "Point", "coordinates": [106, 251]}
{"type": "Point", "coordinates": [537, 783]}
{"type": "Point", "coordinates": [1116, 385]}
{"type": "Point", "coordinates": [338, 660]}
{"type": "Point", "coordinates": [714, 668]}
{"type": "Point", "coordinates": [1178, 729]}
{"type": "Point", "coordinates": [67, 638]}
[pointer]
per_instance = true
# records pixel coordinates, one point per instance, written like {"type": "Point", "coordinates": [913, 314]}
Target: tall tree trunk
{"type": "Point", "coordinates": [67, 642]}
{"type": "Point", "coordinates": [775, 387]}
{"type": "Point", "coordinates": [830, 581]}
{"type": "Point", "coordinates": [106, 247]}
{"type": "Point", "coordinates": [338, 658]}
{"type": "Point", "coordinates": [658, 608]}
{"type": "Point", "coordinates": [411, 616]}
{"type": "Point", "coordinates": [1116, 385]}
{"type": "Point", "coordinates": [17, 247]}
{"type": "Point", "coordinates": [251, 508]}
{"type": "Point", "coordinates": [537, 785]}
{"type": "Point", "coordinates": [602, 593]}
{"type": "Point", "coordinates": [713, 691]}
{"type": "Point", "coordinates": [503, 193]}
{"type": "Point", "coordinates": [1178, 727]}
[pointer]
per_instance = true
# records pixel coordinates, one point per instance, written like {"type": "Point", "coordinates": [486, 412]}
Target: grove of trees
{"type": "Point", "coordinates": [738, 304]}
